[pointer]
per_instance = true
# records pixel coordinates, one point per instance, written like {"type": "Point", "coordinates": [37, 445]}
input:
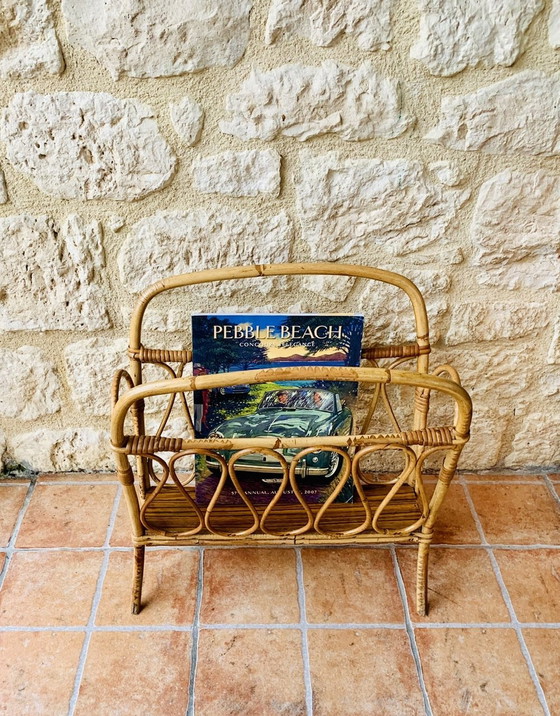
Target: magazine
{"type": "Point", "coordinates": [296, 408]}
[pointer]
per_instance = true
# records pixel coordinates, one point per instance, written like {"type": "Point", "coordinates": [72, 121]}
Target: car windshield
{"type": "Point", "coordinates": [298, 399]}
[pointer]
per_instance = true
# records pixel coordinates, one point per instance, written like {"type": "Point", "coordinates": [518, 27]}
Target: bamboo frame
{"type": "Point", "coordinates": [397, 511]}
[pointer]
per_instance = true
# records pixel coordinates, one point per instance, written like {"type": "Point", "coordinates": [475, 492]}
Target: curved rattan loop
{"type": "Point", "coordinates": [216, 496]}
{"type": "Point", "coordinates": [181, 486]}
{"type": "Point", "coordinates": [116, 384]}
{"type": "Point", "coordinates": [397, 484]}
{"type": "Point", "coordinates": [342, 478]}
{"type": "Point", "coordinates": [152, 495]}
{"type": "Point", "coordinates": [233, 477]}
{"type": "Point", "coordinates": [418, 481]}
{"type": "Point", "coordinates": [371, 409]}
{"type": "Point", "coordinates": [389, 408]}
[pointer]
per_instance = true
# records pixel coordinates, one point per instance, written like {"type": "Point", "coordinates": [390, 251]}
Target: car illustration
{"type": "Point", "coordinates": [289, 412]}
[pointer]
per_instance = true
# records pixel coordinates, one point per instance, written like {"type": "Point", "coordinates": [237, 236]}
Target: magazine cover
{"type": "Point", "coordinates": [225, 343]}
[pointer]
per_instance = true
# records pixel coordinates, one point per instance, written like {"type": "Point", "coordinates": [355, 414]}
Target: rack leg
{"type": "Point", "coordinates": [139, 553]}
{"type": "Point", "coordinates": [422, 578]}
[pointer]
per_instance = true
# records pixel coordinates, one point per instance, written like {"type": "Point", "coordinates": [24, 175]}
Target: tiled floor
{"type": "Point", "coordinates": [329, 632]}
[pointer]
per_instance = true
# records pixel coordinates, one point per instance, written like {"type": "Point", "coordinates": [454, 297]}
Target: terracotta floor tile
{"type": "Point", "coordinates": [353, 577]}
{"type": "Point", "coordinates": [168, 594]}
{"type": "Point", "coordinates": [242, 586]}
{"type": "Point", "coordinates": [67, 516]}
{"type": "Point", "coordinates": [11, 499]}
{"type": "Point", "coordinates": [544, 647]}
{"type": "Point", "coordinates": [14, 480]}
{"type": "Point", "coordinates": [38, 671]}
{"type": "Point", "coordinates": [363, 673]}
{"type": "Point", "coordinates": [136, 673]}
{"type": "Point", "coordinates": [2, 560]}
{"type": "Point", "coordinates": [476, 671]}
{"type": "Point", "coordinates": [502, 477]}
{"type": "Point", "coordinates": [121, 535]}
{"type": "Point", "coordinates": [249, 672]}
{"type": "Point", "coordinates": [532, 579]}
{"type": "Point", "coordinates": [554, 476]}
{"type": "Point", "coordinates": [50, 477]}
{"type": "Point", "coordinates": [462, 586]}
{"type": "Point", "coordinates": [49, 588]}
{"type": "Point", "coordinates": [517, 514]}
{"type": "Point", "coordinates": [455, 523]}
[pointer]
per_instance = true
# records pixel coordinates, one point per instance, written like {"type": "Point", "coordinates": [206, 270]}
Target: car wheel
{"type": "Point", "coordinates": [335, 465]}
{"type": "Point", "coordinates": [222, 391]}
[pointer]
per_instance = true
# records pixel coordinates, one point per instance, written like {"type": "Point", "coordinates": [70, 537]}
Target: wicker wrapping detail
{"type": "Point", "coordinates": [158, 355]}
{"type": "Point", "coordinates": [141, 444]}
{"type": "Point", "coordinates": [406, 350]}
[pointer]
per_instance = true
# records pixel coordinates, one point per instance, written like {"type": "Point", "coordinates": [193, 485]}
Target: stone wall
{"type": "Point", "coordinates": [147, 138]}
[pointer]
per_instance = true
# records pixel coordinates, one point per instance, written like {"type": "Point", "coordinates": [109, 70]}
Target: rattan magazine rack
{"type": "Point", "coordinates": [398, 509]}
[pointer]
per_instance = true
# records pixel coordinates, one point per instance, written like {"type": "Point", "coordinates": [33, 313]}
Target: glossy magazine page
{"type": "Point", "coordinates": [233, 342]}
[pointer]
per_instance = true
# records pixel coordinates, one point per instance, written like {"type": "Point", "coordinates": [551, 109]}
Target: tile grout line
{"type": "Point", "coordinates": [303, 625]}
{"type": "Point", "coordinates": [94, 604]}
{"type": "Point", "coordinates": [195, 633]}
{"type": "Point", "coordinates": [410, 633]}
{"type": "Point", "coordinates": [10, 549]}
{"type": "Point", "coordinates": [550, 485]}
{"type": "Point", "coordinates": [509, 604]}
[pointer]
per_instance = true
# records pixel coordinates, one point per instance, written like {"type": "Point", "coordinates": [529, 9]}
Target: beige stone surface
{"type": "Point", "coordinates": [159, 39]}
{"type": "Point", "coordinates": [30, 385]}
{"type": "Point", "coordinates": [51, 275]}
{"type": "Point", "coordinates": [455, 34]}
{"type": "Point", "coordinates": [516, 116]}
{"type": "Point", "coordinates": [3, 189]}
{"type": "Point", "coordinates": [29, 46]}
{"type": "Point", "coordinates": [471, 215]}
{"type": "Point", "coordinates": [86, 145]}
{"type": "Point", "coordinates": [516, 231]}
{"type": "Point", "coordinates": [323, 22]}
{"type": "Point", "coordinates": [246, 173]}
{"type": "Point", "coordinates": [303, 102]}
{"type": "Point", "coordinates": [535, 442]}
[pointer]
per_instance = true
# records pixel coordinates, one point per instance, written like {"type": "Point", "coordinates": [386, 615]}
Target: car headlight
{"type": "Point", "coordinates": [215, 434]}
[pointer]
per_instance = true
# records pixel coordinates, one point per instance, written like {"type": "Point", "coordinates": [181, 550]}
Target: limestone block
{"type": "Point", "coordinates": [389, 317]}
{"type": "Point", "coordinates": [536, 441]}
{"type": "Point", "coordinates": [334, 288]}
{"type": "Point", "coordinates": [455, 34]}
{"type": "Point", "coordinates": [550, 382]}
{"type": "Point", "coordinates": [495, 320]}
{"type": "Point", "coordinates": [446, 172]}
{"type": "Point", "coordinates": [553, 357]}
{"type": "Point", "coordinates": [323, 22]}
{"type": "Point", "coordinates": [554, 24]}
{"type": "Point", "coordinates": [173, 242]}
{"type": "Point", "coordinates": [154, 39]}
{"type": "Point", "coordinates": [347, 205]}
{"type": "Point", "coordinates": [29, 46]}
{"type": "Point", "coordinates": [67, 450]}
{"type": "Point", "coordinates": [86, 145]}
{"type": "Point", "coordinates": [187, 118]}
{"type": "Point", "coordinates": [30, 386]}
{"type": "Point", "coordinates": [301, 101]}
{"type": "Point", "coordinates": [116, 222]}
{"type": "Point", "coordinates": [486, 446]}
{"type": "Point", "coordinates": [3, 189]}
{"type": "Point", "coordinates": [516, 231]}
{"type": "Point", "coordinates": [519, 115]}
{"type": "Point", "coordinates": [50, 278]}
{"type": "Point", "coordinates": [3, 444]}
{"type": "Point", "coordinates": [245, 173]}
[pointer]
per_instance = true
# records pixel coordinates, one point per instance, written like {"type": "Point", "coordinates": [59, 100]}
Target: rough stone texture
{"type": "Point", "coordinates": [516, 231]}
{"type": "Point", "coordinates": [536, 441]}
{"type": "Point", "coordinates": [519, 115]}
{"type": "Point", "coordinates": [115, 222]}
{"type": "Point", "coordinates": [554, 24]}
{"type": "Point", "coordinates": [29, 45]}
{"type": "Point", "coordinates": [323, 22]}
{"type": "Point", "coordinates": [187, 117]}
{"type": "Point", "coordinates": [389, 317]}
{"type": "Point", "coordinates": [488, 428]}
{"type": "Point", "coordinates": [30, 386]}
{"type": "Point", "coordinates": [245, 173]}
{"type": "Point", "coordinates": [183, 241]}
{"type": "Point", "coordinates": [553, 357]}
{"type": "Point", "coordinates": [550, 382]}
{"type": "Point", "coordinates": [3, 189]}
{"type": "Point", "coordinates": [446, 172]}
{"type": "Point", "coordinates": [494, 321]}
{"type": "Point", "coordinates": [153, 39]}
{"type": "Point", "coordinates": [301, 101]}
{"type": "Point", "coordinates": [455, 34]}
{"type": "Point", "coordinates": [347, 205]}
{"type": "Point", "coordinates": [50, 278]}
{"type": "Point", "coordinates": [79, 449]}
{"type": "Point", "coordinates": [86, 145]}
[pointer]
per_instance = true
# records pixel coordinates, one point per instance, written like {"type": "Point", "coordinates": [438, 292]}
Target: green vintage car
{"type": "Point", "coordinates": [290, 412]}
